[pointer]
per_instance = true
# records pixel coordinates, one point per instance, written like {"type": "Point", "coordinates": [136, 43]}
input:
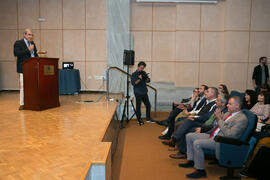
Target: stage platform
{"type": "Point", "coordinates": [74, 141]}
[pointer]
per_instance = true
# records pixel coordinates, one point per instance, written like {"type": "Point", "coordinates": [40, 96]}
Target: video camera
{"type": "Point", "coordinates": [144, 75]}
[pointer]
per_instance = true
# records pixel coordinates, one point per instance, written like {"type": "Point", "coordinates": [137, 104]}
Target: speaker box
{"type": "Point", "coordinates": [128, 57]}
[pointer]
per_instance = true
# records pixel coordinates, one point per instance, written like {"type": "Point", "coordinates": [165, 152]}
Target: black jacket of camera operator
{"type": "Point", "coordinates": [140, 88]}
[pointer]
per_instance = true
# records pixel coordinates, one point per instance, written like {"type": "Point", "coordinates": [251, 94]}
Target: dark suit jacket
{"type": "Point", "coordinates": [202, 103]}
{"type": "Point", "coordinates": [22, 53]}
{"type": "Point", "coordinates": [257, 74]}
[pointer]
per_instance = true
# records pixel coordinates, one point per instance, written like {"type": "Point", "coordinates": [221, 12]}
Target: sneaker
{"type": "Point", "coordinates": [244, 173]}
{"type": "Point", "coordinates": [164, 137]}
{"type": "Point", "coordinates": [165, 131]}
{"type": "Point", "coordinates": [197, 174]}
{"type": "Point", "coordinates": [150, 121]}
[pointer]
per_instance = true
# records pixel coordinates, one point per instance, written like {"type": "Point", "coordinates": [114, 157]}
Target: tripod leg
{"type": "Point", "coordinates": [123, 115]}
{"type": "Point", "coordinates": [135, 113]}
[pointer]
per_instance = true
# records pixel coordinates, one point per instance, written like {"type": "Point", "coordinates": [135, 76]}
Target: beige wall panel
{"type": "Point", "coordinates": [163, 71]}
{"type": "Point", "coordinates": [163, 46]}
{"type": "Point", "coordinates": [235, 76]}
{"type": "Point", "coordinates": [74, 14]}
{"type": "Point", "coordinates": [164, 15]}
{"type": "Point", "coordinates": [96, 14]}
{"type": "Point", "coordinates": [237, 14]}
{"type": "Point", "coordinates": [52, 42]}
{"type": "Point", "coordinates": [28, 13]}
{"type": "Point", "coordinates": [260, 15]}
{"type": "Point", "coordinates": [188, 17]}
{"type": "Point", "coordinates": [259, 45]}
{"type": "Point", "coordinates": [212, 46]}
{"type": "Point", "coordinates": [8, 38]}
{"type": "Point", "coordinates": [8, 14]}
{"type": "Point", "coordinates": [95, 69]}
{"type": "Point", "coordinates": [236, 46]}
{"type": "Point", "coordinates": [9, 76]}
{"type": "Point", "coordinates": [142, 45]}
{"type": "Point", "coordinates": [210, 74]}
{"type": "Point", "coordinates": [186, 74]}
{"type": "Point", "coordinates": [74, 45]}
{"type": "Point", "coordinates": [213, 17]}
{"type": "Point", "coordinates": [187, 46]}
{"type": "Point", "coordinates": [96, 45]}
{"type": "Point", "coordinates": [141, 16]}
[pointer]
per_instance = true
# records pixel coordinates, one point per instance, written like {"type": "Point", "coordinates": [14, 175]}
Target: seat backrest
{"type": "Point", "coordinates": [252, 123]}
{"type": "Point", "coordinates": [236, 93]}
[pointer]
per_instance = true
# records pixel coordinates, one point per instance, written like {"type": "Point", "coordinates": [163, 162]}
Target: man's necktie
{"type": "Point", "coordinates": [212, 134]}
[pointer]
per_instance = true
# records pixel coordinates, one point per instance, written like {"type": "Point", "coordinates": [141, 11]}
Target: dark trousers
{"type": "Point", "coordinates": [171, 120]}
{"type": "Point", "coordinates": [179, 135]}
{"type": "Point", "coordinates": [258, 89]}
{"type": "Point", "coordinates": [143, 98]}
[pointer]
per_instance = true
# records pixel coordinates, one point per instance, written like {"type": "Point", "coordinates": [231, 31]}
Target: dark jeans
{"type": "Point", "coordinates": [258, 89]}
{"type": "Point", "coordinates": [171, 120]}
{"type": "Point", "coordinates": [143, 98]}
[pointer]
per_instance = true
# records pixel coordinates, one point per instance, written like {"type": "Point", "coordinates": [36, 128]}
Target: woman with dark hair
{"type": "Point", "coordinates": [222, 89]}
{"type": "Point", "coordinates": [262, 109]}
{"type": "Point", "coordinates": [250, 99]}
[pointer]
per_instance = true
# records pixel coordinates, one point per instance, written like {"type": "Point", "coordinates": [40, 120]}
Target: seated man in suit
{"type": "Point", "coordinates": [192, 125]}
{"type": "Point", "coordinates": [231, 124]}
{"type": "Point", "coordinates": [204, 113]}
{"type": "Point", "coordinates": [24, 49]}
{"type": "Point", "coordinates": [197, 106]}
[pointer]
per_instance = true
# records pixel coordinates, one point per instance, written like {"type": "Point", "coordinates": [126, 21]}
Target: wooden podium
{"type": "Point", "coordinates": [40, 83]}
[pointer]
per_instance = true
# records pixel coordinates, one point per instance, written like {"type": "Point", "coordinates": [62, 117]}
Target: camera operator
{"type": "Point", "coordinates": [139, 79]}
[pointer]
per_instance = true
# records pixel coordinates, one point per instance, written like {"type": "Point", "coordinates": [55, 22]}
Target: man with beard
{"type": "Point", "coordinates": [196, 108]}
{"type": "Point", "coordinates": [260, 74]}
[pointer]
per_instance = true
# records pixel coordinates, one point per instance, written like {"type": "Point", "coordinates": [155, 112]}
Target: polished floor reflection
{"type": "Point", "coordinates": [58, 143]}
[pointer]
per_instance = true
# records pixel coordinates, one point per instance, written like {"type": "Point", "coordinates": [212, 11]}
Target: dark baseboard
{"type": "Point", "coordinates": [92, 92]}
{"type": "Point", "coordinates": [3, 90]}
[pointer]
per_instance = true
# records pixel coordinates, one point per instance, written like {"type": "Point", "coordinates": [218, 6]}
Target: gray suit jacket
{"type": "Point", "coordinates": [233, 127]}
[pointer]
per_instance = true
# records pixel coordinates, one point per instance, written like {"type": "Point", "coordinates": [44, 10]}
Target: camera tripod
{"type": "Point", "coordinates": [125, 113]}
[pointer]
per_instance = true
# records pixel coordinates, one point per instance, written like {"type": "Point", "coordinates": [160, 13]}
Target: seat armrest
{"type": "Point", "coordinates": [228, 140]}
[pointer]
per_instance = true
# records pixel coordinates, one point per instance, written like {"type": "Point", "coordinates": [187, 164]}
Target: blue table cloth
{"type": "Point", "coordinates": [69, 81]}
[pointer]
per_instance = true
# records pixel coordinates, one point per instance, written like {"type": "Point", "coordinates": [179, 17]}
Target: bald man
{"type": "Point", "coordinates": [23, 50]}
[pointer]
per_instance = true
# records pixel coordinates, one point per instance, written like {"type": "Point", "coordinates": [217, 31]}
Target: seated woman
{"type": "Point", "coordinates": [250, 99]}
{"type": "Point", "coordinates": [262, 109]}
{"type": "Point", "coordinates": [222, 89]}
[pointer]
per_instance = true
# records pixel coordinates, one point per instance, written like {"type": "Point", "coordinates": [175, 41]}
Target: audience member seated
{"type": "Point", "coordinates": [231, 124]}
{"type": "Point", "coordinates": [197, 127]}
{"type": "Point", "coordinates": [250, 99]}
{"type": "Point", "coordinates": [189, 102]}
{"type": "Point", "coordinates": [195, 120]}
{"type": "Point", "coordinates": [222, 89]}
{"type": "Point", "coordinates": [196, 107]}
{"type": "Point", "coordinates": [262, 109]}
{"type": "Point", "coordinates": [265, 88]}
{"type": "Point", "coordinates": [178, 108]}
{"type": "Point", "coordinates": [254, 166]}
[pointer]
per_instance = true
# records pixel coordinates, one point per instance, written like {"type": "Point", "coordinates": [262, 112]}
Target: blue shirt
{"type": "Point", "coordinates": [139, 88]}
{"type": "Point", "coordinates": [28, 44]}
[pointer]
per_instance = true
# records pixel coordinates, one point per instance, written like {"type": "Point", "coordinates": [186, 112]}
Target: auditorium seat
{"type": "Point", "coordinates": [232, 153]}
{"type": "Point", "coordinates": [237, 93]}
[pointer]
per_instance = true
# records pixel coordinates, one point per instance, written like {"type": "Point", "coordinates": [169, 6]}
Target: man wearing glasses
{"type": "Point", "coordinates": [23, 50]}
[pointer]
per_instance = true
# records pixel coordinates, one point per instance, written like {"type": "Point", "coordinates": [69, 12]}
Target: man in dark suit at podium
{"type": "Point", "coordinates": [23, 50]}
